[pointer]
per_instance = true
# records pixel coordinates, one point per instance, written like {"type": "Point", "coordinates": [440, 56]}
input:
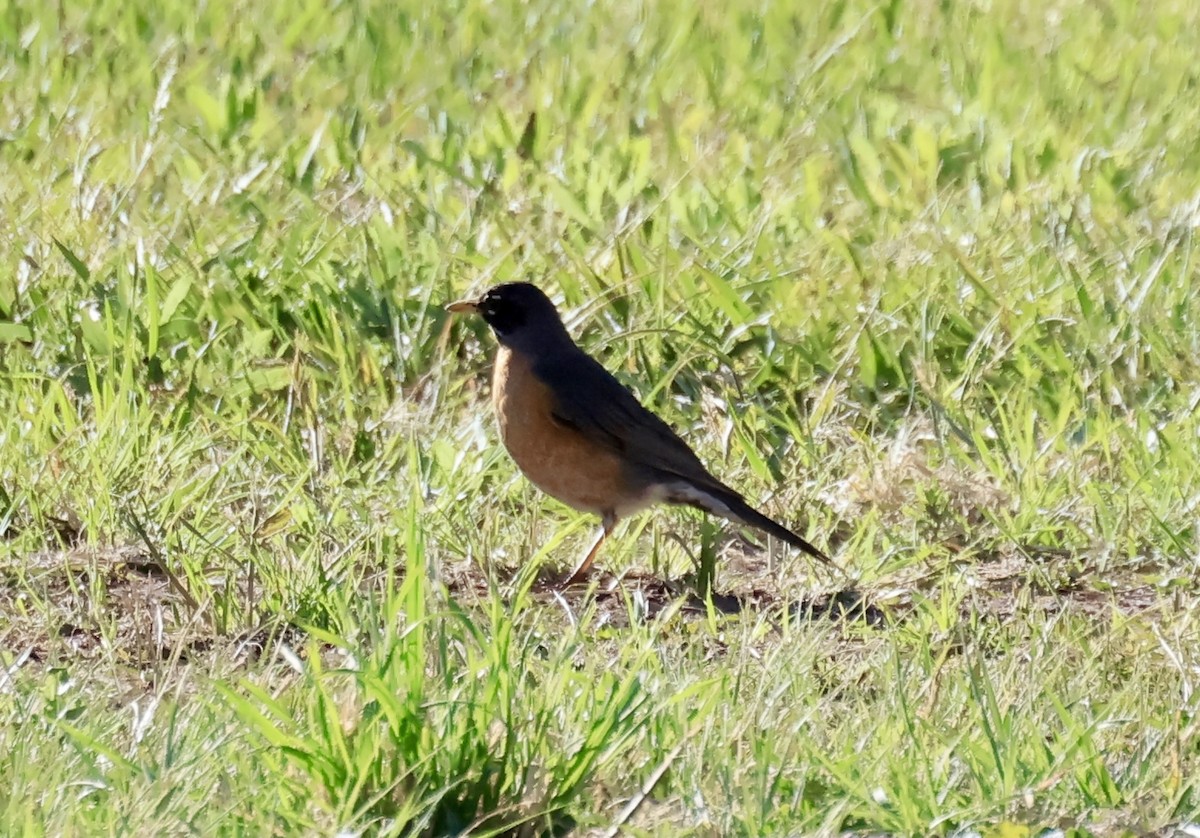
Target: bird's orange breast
{"type": "Point", "coordinates": [558, 459]}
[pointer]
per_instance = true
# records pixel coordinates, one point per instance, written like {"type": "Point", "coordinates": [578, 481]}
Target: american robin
{"type": "Point", "coordinates": [580, 436]}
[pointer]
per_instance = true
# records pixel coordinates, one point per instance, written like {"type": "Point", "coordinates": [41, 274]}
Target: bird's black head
{"type": "Point", "coordinates": [519, 313]}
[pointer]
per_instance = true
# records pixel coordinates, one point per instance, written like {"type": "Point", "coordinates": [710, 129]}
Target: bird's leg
{"type": "Point", "coordinates": [608, 521]}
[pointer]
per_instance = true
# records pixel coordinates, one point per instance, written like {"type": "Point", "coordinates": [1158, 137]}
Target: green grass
{"type": "Point", "coordinates": [915, 276]}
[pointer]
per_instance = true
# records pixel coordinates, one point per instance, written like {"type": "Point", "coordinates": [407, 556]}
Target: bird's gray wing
{"type": "Point", "coordinates": [589, 400]}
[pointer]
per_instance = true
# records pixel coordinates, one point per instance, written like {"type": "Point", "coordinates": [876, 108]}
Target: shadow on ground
{"type": "Point", "coordinates": [123, 602]}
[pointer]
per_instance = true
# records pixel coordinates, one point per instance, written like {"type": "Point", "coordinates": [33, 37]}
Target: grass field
{"type": "Point", "coordinates": [916, 276]}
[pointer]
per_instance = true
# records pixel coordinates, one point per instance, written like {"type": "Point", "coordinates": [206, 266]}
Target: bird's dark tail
{"type": "Point", "coordinates": [723, 501]}
{"type": "Point", "coordinates": [750, 516]}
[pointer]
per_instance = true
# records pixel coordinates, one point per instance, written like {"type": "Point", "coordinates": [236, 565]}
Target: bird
{"type": "Point", "coordinates": [580, 436]}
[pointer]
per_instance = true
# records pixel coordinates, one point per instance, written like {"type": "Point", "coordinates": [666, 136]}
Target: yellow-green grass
{"type": "Point", "coordinates": [915, 276]}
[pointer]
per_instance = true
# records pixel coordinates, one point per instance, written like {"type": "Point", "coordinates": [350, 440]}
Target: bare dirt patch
{"type": "Point", "coordinates": [121, 604]}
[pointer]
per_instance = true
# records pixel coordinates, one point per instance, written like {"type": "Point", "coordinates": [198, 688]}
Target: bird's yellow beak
{"type": "Point", "coordinates": [464, 307]}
